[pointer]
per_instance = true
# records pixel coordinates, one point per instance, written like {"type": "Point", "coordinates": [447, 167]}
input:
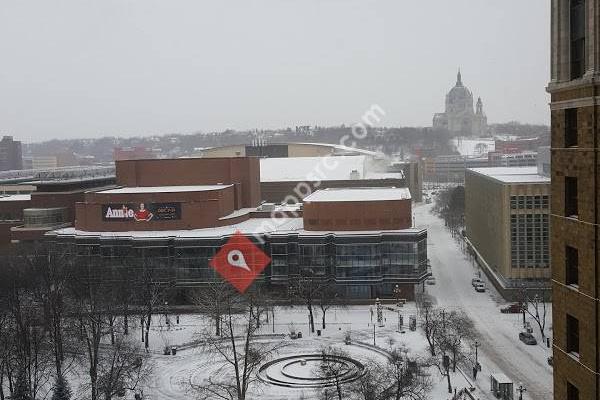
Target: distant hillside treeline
{"type": "Point", "coordinates": [403, 141]}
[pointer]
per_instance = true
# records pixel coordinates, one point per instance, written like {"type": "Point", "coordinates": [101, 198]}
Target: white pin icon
{"type": "Point", "coordinates": [235, 258]}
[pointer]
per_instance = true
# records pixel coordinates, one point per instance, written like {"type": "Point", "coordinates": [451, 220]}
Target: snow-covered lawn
{"type": "Point", "coordinates": [500, 349]}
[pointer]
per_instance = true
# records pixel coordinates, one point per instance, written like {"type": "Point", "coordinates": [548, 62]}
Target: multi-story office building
{"type": "Point", "coordinates": [11, 156]}
{"type": "Point", "coordinates": [575, 234]}
{"type": "Point", "coordinates": [506, 215]}
{"type": "Point", "coordinates": [451, 169]}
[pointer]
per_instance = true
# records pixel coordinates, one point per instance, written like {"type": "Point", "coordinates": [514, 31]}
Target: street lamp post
{"type": "Point", "coordinates": [397, 292]}
{"type": "Point", "coordinates": [521, 389]}
{"type": "Point", "coordinates": [166, 313]}
{"type": "Point", "coordinates": [477, 344]}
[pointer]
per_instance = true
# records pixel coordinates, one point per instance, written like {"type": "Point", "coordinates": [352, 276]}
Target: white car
{"type": "Point", "coordinates": [430, 280]}
{"type": "Point", "coordinates": [476, 281]}
{"type": "Point", "coordinates": [480, 287]}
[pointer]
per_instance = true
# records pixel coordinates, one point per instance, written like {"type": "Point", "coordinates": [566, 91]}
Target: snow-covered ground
{"type": "Point", "coordinates": [500, 350]}
{"type": "Point", "coordinates": [175, 373]}
{"type": "Point", "coordinates": [474, 147]}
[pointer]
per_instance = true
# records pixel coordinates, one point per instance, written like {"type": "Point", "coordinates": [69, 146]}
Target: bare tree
{"type": "Point", "coordinates": [453, 331]}
{"type": "Point", "coordinates": [89, 296]}
{"type": "Point", "coordinates": [152, 292]}
{"type": "Point", "coordinates": [536, 308]}
{"type": "Point", "coordinates": [51, 268]}
{"type": "Point", "coordinates": [332, 371]}
{"type": "Point", "coordinates": [402, 377]}
{"type": "Point", "coordinates": [307, 289]}
{"type": "Point", "coordinates": [459, 331]}
{"type": "Point", "coordinates": [430, 322]}
{"type": "Point", "coordinates": [121, 368]}
{"type": "Point", "coordinates": [407, 377]}
{"type": "Point", "coordinates": [327, 298]}
{"type": "Point", "coordinates": [371, 385]}
{"type": "Point", "coordinates": [28, 352]}
{"type": "Point", "coordinates": [236, 352]}
{"type": "Point", "coordinates": [212, 300]}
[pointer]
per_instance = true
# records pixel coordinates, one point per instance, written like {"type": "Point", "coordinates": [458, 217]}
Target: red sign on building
{"type": "Point", "coordinates": [240, 261]}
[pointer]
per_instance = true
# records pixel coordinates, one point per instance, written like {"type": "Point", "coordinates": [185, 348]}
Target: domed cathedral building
{"type": "Point", "coordinates": [460, 118]}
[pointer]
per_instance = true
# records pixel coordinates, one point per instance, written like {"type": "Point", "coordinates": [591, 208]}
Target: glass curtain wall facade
{"type": "Point", "coordinates": [362, 266]}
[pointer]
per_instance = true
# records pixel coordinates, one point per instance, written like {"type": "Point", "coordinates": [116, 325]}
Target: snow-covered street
{"type": "Point", "coordinates": [500, 350]}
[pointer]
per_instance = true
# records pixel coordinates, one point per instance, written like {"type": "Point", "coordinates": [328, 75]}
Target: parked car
{"type": "Point", "coordinates": [430, 280]}
{"type": "Point", "coordinates": [551, 361]}
{"type": "Point", "coordinates": [480, 287]}
{"type": "Point", "coordinates": [514, 308]}
{"type": "Point", "coordinates": [476, 281]}
{"type": "Point", "coordinates": [527, 338]}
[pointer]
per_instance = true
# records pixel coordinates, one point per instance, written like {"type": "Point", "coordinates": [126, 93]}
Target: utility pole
{"type": "Point", "coordinates": [477, 344]}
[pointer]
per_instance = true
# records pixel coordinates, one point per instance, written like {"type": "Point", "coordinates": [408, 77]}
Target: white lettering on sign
{"type": "Point", "coordinates": [119, 213]}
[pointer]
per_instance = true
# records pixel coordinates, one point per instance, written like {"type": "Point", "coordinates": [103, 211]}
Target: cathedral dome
{"type": "Point", "coordinates": [459, 91]}
{"type": "Point", "coordinates": [459, 98]}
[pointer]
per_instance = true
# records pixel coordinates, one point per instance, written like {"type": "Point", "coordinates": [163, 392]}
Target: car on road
{"type": "Point", "coordinates": [514, 308]}
{"type": "Point", "coordinates": [527, 338]}
{"type": "Point", "coordinates": [476, 281]}
{"type": "Point", "coordinates": [480, 287]}
{"type": "Point", "coordinates": [430, 280]}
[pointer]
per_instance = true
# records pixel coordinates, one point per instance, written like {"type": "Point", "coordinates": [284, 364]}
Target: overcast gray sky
{"type": "Point", "coordinates": [78, 68]}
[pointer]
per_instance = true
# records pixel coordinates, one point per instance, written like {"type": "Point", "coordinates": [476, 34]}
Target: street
{"type": "Point", "coordinates": [500, 350]}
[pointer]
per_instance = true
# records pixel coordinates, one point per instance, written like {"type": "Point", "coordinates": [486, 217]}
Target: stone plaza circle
{"type": "Point", "coordinates": [297, 371]}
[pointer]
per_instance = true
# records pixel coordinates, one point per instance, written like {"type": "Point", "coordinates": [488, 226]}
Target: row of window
{"type": "Point", "coordinates": [528, 202]}
{"type": "Point", "coordinates": [577, 39]}
{"type": "Point", "coordinates": [529, 241]}
{"type": "Point", "coordinates": [356, 221]}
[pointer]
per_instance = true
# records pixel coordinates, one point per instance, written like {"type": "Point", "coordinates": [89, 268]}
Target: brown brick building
{"type": "Point", "coordinates": [175, 215]}
{"type": "Point", "coordinates": [575, 109]}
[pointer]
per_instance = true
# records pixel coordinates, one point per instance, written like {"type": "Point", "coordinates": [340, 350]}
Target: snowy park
{"type": "Point", "coordinates": [447, 344]}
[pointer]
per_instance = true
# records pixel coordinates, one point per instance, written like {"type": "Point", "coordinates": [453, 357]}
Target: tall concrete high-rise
{"type": "Point", "coordinates": [575, 212]}
{"type": "Point", "coordinates": [10, 154]}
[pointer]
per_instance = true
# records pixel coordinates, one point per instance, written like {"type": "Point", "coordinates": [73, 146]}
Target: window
{"type": "Point", "coordinates": [571, 208]}
{"type": "Point", "coordinates": [571, 127]}
{"type": "Point", "coordinates": [572, 265]}
{"type": "Point", "coordinates": [572, 392]}
{"type": "Point", "coordinates": [572, 335]}
{"type": "Point", "coordinates": [577, 38]}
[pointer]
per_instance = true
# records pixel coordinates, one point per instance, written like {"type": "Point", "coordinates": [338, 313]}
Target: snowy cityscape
{"type": "Point", "coordinates": [314, 200]}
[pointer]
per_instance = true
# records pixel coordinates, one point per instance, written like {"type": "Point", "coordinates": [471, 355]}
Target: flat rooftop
{"type": "Point", "coordinates": [359, 194]}
{"type": "Point", "coordinates": [163, 189]}
{"type": "Point", "coordinates": [15, 197]}
{"type": "Point", "coordinates": [512, 174]}
{"type": "Point", "coordinates": [331, 168]}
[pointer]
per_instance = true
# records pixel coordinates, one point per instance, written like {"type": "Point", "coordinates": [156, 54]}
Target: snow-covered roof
{"type": "Point", "coordinates": [359, 194]}
{"type": "Point", "coordinates": [252, 226]}
{"type": "Point", "coordinates": [15, 197]}
{"type": "Point", "coordinates": [342, 148]}
{"type": "Point", "coordinates": [501, 378]}
{"type": "Point", "coordinates": [512, 174]}
{"type": "Point", "coordinates": [310, 169]}
{"type": "Point", "coordinates": [163, 189]}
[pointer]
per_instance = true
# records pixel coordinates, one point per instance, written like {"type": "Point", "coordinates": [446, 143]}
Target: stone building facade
{"type": "Point", "coordinates": [459, 117]}
{"type": "Point", "coordinates": [575, 234]}
{"type": "Point", "coordinates": [506, 218]}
